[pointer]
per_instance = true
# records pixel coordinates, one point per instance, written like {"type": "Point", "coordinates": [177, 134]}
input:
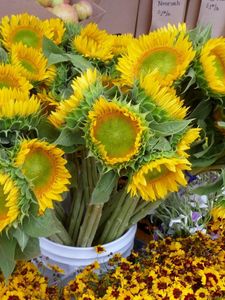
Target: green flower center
{"type": "Point", "coordinates": [220, 68]}
{"type": "Point", "coordinates": [38, 168]}
{"type": "Point", "coordinates": [3, 208]}
{"type": "Point", "coordinates": [28, 66]}
{"type": "Point", "coordinates": [4, 84]}
{"type": "Point", "coordinates": [117, 133]}
{"type": "Point", "coordinates": [27, 37]}
{"type": "Point", "coordinates": [163, 60]}
{"type": "Point", "coordinates": [155, 174]}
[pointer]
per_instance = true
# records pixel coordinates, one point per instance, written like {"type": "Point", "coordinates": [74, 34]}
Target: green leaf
{"type": "Point", "coordinates": [162, 144]}
{"type": "Point", "coordinates": [47, 130]}
{"type": "Point", "coordinates": [7, 253]}
{"type": "Point", "coordinates": [202, 110]}
{"type": "Point", "coordinates": [209, 188]}
{"type": "Point", "coordinates": [104, 187]}
{"type": "Point", "coordinates": [49, 48]}
{"type": "Point", "coordinates": [32, 250]}
{"type": "Point", "coordinates": [80, 62]}
{"type": "Point", "coordinates": [69, 137]}
{"type": "Point", "coordinates": [21, 237]}
{"type": "Point", "coordinates": [56, 58]}
{"type": "Point", "coordinates": [170, 127]}
{"type": "Point", "coordinates": [3, 56]}
{"type": "Point", "coordinates": [191, 74]}
{"type": "Point", "coordinates": [40, 226]}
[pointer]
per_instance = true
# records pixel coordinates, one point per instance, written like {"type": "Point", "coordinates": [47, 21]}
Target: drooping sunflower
{"type": "Point", "coordinates": [9, 200]}
{"type": "Point", "coordinates": [80, 85]}
{"type": "Point", "coordinates": [32, 63]}
{"type": "Point", "coordinates": [120, 43]}
{"type": "Point", "coordinates": [12, 105]}
{"type": "Point", "coordinates": [58, 29]}
{"type": "Point", "coordinates": [11, 78]}
{"type": "Point", "coordinates": [155, 179]}
{"type": "Point", "coordinates": [187, 139]}
{"type": "Point", "coordinates": [166, 51]}
{"type": "Point", "coordinates": [24, 28]}
{"type": "Point", "coordinates": [94, 43]}
{"type": "Point", "coordinates": [212, 59]}
{"type": "Point", "coordinates": [163, 97]}
{"type": "Point", "coordinates": [43, 165]}
{"type": "Point", "coordinates": [115, 132]}
{"type": "Point", "coordinates": [48, 102]}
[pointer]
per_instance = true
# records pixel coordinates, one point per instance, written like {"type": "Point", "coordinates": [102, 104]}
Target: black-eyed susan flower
{"type": "Point", "coordinates": [212, 60]}
{"type": "Point", "coordinates": [9, 200]}
{"type": "Point", "coordinates": [99, 249]}
{"type": "Point", "coordinates": [168, 51]}
{"type": "Point", "coordinates": [80, 85]}
{"type": "Point", "coordinates": [163, 100]}
{"type": "Point", "coordinates": [32, 63]}
{"type": "Point", "coordinates": [185, 142]}
{"type": "Point", "coordinates": [25, 29]}
{"type": "Point", "coordinates": [94, 43]}
{"type": "Point", "coordinates": [57, 27]}
{"type": "Point", "coordinates": [125, 128]}
{"type": "Point", "coordinates": [218, 211]}
{"type": "Point", "coordinates": [155, 179]}
{"type": "Point", "coordinates": [11, 78]}
{"type": "Point", "coordinates": [14, 295]}
{"type": "Point", "coordinates": [43, 165]}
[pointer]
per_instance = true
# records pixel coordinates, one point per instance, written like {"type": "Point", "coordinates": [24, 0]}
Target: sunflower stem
{"type": "Point", "coordinates": [63, 234]}
{"type": "Point", "coordinates": [143, 212]}
{"type": "Point", "coordinates": [88, 227]}
{"type": "Point", "coordinates": [78, 223]}
{"type": "Point", "coordinates": [77, 198]}
{"type": "Point", "coordinates": [128, 214]}
{"type": "Point", "coordinates": [111, 220]}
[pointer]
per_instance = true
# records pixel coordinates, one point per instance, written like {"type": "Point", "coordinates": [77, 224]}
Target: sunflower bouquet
{"type": "Point", "coordinates": [94, 127]}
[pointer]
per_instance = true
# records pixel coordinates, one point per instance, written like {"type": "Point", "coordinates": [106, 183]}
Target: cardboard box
{"type": "Point", "coordinates": [120, 16]}
{"type": "Point", "coordinates": [144, 17]}
{"type": "Point", "coordinates": [13, 7]}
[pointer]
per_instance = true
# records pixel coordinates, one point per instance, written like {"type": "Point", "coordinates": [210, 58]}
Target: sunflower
{"type": "Point", "coordinates": [212, 59]}
{"type": "Point", "coordinates": [165, 50]}
{"type": "Point", "coordinates": [13, 106]}
{"type": "Point", "coordinates": [24, 28]}
{"type": "Point", "coordinates": [32, 63]}
{"type": "Point", "coordinates": [43, 165]}
{"type": "Point", "coordinates": [11, 78]}
{"type": "Point", "coordinates": [155, 179]}
{"type": "Point", "coordinates": [120, 43]}
{"type": "Point", "coordinates": [57, 28]}
{"type": "Point", "coordinates": [80, 85]}
{"type": "Point", "coordinates": [163, 97]}
{"type": "Point", "coordinates": [48, 103]}
{"type": "Point", "coordinates": [9, 200]}
{"type": "Point", "coordinates": [94, 43]}
{"type": "Point", "coordinates": [187, 139]}
{"type": "Point", "coordinates": [124, 127]}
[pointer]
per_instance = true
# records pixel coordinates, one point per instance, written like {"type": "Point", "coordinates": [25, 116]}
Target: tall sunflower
{"type": "Point", "coordinates": [187, 139]}
{"type": "Point", "coordinates": [212, 59]}
{"type": "Point", "coordinates": [80, 85]}
{"type": "Point", "coordinates": [115, 132]}
{"type": "Point", "coordinates": [11, 79]}
{"type": "Point", "coordinates": [43, 165]}
{"type": "Point", "coordinates": [9, 200]}
{"type": "Point", "coordinates": [163, 97]}
{"type": "Point", "coordinates": [166, 51]}
{"type": "Point", "coordinates": [24, 28]}
{"type": "Point", "coordinates": [120, 43]}
{"type": "Point", "coordinates": [32, 63]}
{"type": "Point", "coordinates": [94, 43]}
{"type": "Point", "coordinates": [155, 179]}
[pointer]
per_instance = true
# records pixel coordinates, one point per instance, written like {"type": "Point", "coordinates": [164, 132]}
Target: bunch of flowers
{"type": "Point", "coordinates": [100, 121]}
{"type": "Point", "coordinates": [189, 268]}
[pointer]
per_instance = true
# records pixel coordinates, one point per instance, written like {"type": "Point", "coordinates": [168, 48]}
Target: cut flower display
{"type": "Point", "coordinates": [97, 129]}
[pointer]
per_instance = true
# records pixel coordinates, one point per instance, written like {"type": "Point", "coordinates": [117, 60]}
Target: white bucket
{"type": "Point", "coordinates": [72, 259]}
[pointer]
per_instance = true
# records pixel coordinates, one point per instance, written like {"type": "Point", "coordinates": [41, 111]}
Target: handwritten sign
{"type": "Point", "coordinates": [170, 11]}
{"type": "Point", "coordinates": [213, 12]}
